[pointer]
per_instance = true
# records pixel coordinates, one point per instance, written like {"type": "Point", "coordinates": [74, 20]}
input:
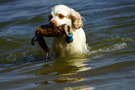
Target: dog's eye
{"type": "Point", "coordinates": [61, 16]}
{"type": "Point", "coordinates": [50, 17]}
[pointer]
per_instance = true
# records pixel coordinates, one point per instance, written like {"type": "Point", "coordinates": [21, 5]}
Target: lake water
{"type": "Point", "coordinates": [109, 64]}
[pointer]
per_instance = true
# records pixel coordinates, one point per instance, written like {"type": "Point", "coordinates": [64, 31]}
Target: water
{"type": "Point", "coordinates": [110, 31]}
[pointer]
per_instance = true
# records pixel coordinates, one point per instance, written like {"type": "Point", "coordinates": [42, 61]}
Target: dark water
{"type": "Point", "coordinates": [110, 31]}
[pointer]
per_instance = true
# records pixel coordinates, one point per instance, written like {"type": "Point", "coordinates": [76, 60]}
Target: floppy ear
{"type": "Point", "coordinates": [76, 19]}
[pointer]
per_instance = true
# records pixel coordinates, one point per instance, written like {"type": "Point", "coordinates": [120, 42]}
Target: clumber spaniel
{"type": "Point", "coordinates": [59, 15]}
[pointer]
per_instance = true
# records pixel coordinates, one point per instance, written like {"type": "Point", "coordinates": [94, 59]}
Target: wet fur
{"type": "Point", "coordinates": [62, 14]}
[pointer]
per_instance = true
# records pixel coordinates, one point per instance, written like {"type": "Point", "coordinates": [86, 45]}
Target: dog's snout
{"type": "Point", "coordinates": [53, 23]}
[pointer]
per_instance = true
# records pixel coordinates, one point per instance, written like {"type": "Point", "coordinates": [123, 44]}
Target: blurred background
{"type": "Point", "coordinates": [109, 64]}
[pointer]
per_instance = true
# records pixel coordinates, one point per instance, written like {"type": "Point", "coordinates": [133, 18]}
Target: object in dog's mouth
{"type": "Point", "coordinates": [47, 31]}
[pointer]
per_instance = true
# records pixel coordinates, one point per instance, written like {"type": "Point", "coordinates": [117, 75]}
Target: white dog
{"type": "Point", "coordinates": [61, 14]}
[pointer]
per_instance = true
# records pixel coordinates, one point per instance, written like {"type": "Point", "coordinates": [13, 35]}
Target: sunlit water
{"type": "Point", "coordinates": [109, 64]}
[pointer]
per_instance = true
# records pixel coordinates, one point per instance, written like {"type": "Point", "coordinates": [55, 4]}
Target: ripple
{"type": "Point", "coordinates": [79, 88]}
{"type": "Point", "coordinates": [110, 36]}
{"type": "Point", "coordinates": [67, 80]}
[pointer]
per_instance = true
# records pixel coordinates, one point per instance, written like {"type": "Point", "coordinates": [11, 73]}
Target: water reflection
{"type": "Point", "coordinates": [65, 69]}
{"type": "Point", "coordinates": [79, 88]}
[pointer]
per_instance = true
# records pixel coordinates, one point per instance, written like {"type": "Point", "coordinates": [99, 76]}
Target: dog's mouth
{"type": "Point", "coordinates": [47, 31]}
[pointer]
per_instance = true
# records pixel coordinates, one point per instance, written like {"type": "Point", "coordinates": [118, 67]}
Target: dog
{"type": "Point", "coordinates": [61, 14]}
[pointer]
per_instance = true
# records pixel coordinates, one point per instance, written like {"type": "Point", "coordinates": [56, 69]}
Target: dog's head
{"type": "Point", "coordinates": [62, 14]}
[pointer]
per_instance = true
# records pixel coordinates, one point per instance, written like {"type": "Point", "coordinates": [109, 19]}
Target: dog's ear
{"type": "Point", "coordinates": [76, 19]}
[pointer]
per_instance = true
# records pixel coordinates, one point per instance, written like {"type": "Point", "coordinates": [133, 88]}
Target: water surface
{"type": "Point", "coordinates": [110, 32]}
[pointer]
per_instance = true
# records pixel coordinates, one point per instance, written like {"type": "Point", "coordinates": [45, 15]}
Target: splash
{"type": "Point", "coordinates": [47, 55]}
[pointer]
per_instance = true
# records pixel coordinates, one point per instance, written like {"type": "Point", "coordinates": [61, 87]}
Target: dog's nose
{"type": "Point", "coordinates": [53, 23]}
